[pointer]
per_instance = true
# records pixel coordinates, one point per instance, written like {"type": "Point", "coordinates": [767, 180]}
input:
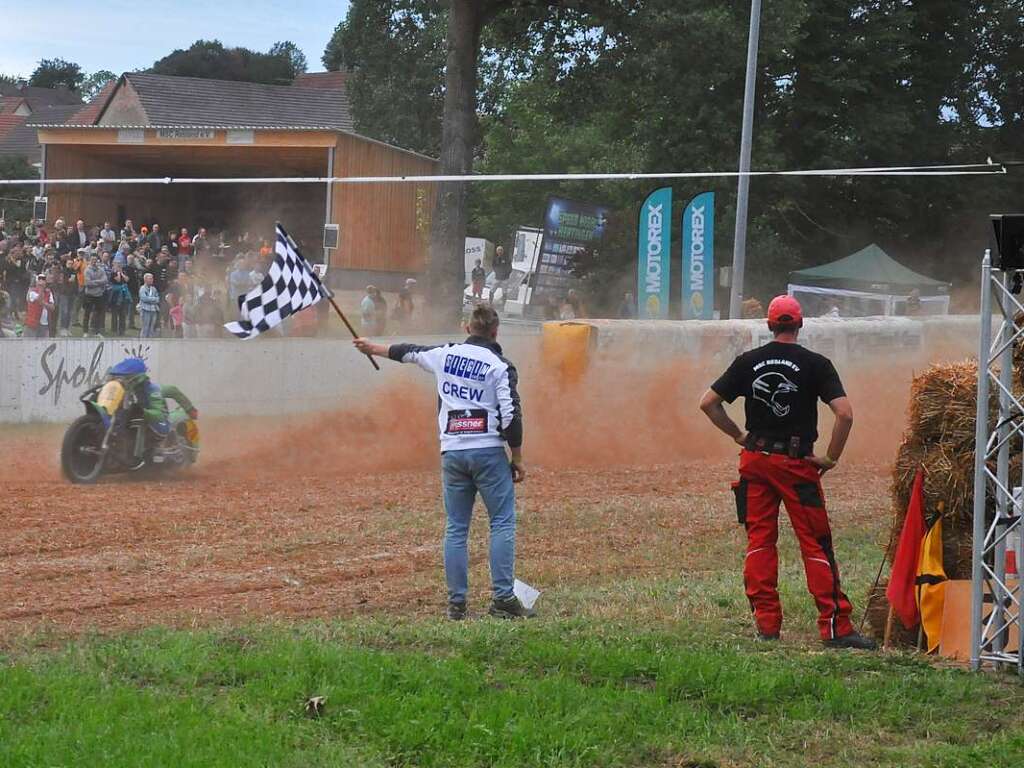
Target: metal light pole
{"type": "Point", "coordinates": [739, 256]}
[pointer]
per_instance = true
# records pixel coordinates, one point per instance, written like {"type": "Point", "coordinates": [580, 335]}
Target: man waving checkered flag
{"type": "Point", "coordinates": [289, 285]}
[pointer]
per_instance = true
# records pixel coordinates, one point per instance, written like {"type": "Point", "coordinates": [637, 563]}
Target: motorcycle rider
{"type": "Point", "coordinates": [134, 376]}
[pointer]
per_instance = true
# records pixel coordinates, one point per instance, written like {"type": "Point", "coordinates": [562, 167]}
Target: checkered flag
{"type": "Point", "coordinates": [289, 285]}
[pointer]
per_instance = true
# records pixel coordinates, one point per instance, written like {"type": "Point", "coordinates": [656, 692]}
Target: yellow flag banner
{"type": "Point", "coordinates": [931, 584]}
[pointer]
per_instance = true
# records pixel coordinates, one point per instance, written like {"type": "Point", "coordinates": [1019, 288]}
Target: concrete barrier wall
{"type": "Point", "coordinates": [41, 380]}
{"type": "Point", "coordinates": [843, 340]}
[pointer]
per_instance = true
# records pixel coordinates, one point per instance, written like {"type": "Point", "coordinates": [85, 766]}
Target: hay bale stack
{"type": "Point", "coordinates": [939, 438]}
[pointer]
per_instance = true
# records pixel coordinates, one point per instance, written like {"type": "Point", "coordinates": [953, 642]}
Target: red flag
{"type": "Point", "coordinates": [901, 590]}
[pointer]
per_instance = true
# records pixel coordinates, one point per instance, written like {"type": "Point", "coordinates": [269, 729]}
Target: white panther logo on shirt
{"type": "Point", "coordinates": [768, 387]}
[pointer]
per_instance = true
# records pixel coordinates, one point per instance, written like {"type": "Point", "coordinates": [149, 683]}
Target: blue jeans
{"type": "Point", "coordinates": [149, 321]}
{"type": "Point", "coordinates": [463, 473]}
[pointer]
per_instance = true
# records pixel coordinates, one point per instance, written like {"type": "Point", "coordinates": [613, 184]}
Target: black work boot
{"type": "Point", "coordinates": [853, 640]}
{"type": "Point", "coordinates": [456, 610]}
{"type": "Point", "coordinates": [510, 608]}
{"type": "Point", "coordinates": [766, 638]}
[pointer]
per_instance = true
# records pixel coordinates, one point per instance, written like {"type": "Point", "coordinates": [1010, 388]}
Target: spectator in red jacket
{"type": "Point", "coordinates": [40, 308]}
{"type": "Point", "coordinates": [184, 247]}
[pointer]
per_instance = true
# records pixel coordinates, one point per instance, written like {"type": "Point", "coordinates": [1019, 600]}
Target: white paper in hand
{"type": "Point", "coordinates": [527, 595]}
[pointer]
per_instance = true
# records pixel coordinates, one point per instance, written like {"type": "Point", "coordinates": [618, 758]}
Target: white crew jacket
{"type": "Point", "coordinates": [478, 400]}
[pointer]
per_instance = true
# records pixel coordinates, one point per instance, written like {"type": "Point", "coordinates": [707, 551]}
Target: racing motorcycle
{"type": "Point", "coordinates": [112, 437]}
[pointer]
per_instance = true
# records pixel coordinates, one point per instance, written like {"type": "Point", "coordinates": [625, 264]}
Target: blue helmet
{"type": "Point", "coordinates": [130, 366]}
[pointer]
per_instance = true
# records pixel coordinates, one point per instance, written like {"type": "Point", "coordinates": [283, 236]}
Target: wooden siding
{"type": "Point", "coordinates": [384, 227]}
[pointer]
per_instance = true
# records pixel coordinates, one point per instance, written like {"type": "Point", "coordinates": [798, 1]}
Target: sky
{"type": "Point", "coordinates": [121, 36]}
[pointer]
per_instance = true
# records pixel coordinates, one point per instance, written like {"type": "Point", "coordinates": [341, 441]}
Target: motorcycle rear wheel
{"type": "Point", "coordinates": [80, 459]}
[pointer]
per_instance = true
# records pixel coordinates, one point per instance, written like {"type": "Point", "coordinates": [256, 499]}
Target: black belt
{"type": "Point", "coordinates": [795, 447]}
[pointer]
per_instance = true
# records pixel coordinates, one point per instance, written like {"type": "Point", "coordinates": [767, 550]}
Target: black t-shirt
{"type": "Point", "coordinates": [781, 385]}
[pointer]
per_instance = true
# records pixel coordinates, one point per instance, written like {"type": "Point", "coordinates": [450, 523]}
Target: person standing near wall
{"type": "Point", "coordinates": [781, 383]}
{"type": "Point", "coordinates": [479, 414]}
{"type": "Point", "coordinates": [95, 297]}
{"type": "Point", "coordinates": [40, 309]}
{"type": "Point", "coordinates": [149, 306]}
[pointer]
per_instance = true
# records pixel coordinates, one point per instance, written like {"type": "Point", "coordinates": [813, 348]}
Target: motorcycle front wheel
{"type": "Point", "coordinates": [81, 457]}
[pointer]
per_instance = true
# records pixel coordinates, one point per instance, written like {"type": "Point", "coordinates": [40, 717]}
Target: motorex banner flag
{"type": "Point", "coordinates": [699, 258]}
{"type": "Point", "coordinates": [653, 254]}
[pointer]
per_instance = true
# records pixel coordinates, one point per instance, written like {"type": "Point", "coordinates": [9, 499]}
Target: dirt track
{"type": "Point", "coordinates": [343, 515]}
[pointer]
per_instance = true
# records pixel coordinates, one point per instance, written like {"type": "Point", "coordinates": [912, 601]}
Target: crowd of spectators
{"type": "Point", "coordinates": [125, 281]}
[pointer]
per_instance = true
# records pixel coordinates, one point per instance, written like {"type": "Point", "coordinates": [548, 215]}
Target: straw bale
{"type": "Point", "coordinates": [943, 404]}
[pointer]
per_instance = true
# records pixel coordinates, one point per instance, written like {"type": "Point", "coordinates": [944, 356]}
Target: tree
{"type": "Point", "coordinates": [289, 51]}
{"type": "Point", "coordinates": [210, 59]}
{"type": "Point", "coordinates": [94, 83]}
{"type": "Point", "coordinates": [11, 81]}
{"type": "Point", "coordinates": [18, 201]}
{"type": "Point", "coordinates": [57, 73]}
{"type": "Point", "coordinates": [395, 52]}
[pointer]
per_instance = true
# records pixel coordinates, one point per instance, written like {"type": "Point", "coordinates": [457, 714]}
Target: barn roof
{"type": "Point", "coordinates": [194, 101]}
{"type": "Point", "coordinates": [21, 139]}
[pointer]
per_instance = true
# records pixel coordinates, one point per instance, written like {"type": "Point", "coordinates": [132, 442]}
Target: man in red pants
{"type": "Point", "coordinates": [781, 384]}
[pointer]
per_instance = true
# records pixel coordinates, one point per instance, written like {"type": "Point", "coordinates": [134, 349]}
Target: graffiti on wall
{"type": "Point", "coordinates": [59, 373]}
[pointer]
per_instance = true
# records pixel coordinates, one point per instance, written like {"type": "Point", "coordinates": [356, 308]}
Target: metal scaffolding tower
{"type": "Point", "coordinates": [995, 599]}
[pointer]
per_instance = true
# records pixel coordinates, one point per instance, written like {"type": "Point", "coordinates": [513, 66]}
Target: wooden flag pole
{"type": "Point", "coordinates": [327, 294]}
{"type": "Point", "coordinates": [330, 297]}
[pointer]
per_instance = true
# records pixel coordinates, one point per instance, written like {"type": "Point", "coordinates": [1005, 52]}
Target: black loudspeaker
{"type": "Point", "coordinates": [330, 236]}
{"type": "Point", "coordinates": [1008, 229]}
{"type": "Point", "coordinates": [39, 209]}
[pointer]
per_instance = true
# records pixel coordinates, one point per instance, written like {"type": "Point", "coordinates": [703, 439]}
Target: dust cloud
{"type": "Point", "coordinates": [619, 413]}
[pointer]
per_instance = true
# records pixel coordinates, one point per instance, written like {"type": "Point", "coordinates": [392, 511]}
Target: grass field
{"type": "Point", "coordinates": [584, 691]}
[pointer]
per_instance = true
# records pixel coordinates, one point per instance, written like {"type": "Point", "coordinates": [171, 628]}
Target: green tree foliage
{"type": "Point", "coordinates": [395, 50]}
{"type": "Point", "coordinates": [17, 199]}
{"type": "Point", "coordinates": [210, 59]}
{"type": "Point", "coordinates": [57, 73]}
{"type": "Point", "coordinates": [286, 49]}
{"type": "Point", "coordinates": [94, 83]}
{"type": "Point", "coordinates": [656, 85]}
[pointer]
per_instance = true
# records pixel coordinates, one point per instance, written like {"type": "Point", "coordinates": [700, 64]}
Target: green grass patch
{"type": "Point", "coordinates": [549, 692]}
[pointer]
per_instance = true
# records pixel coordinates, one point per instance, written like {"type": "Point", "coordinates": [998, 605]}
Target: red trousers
{"type": "Point", "coordinates": [766, 480]}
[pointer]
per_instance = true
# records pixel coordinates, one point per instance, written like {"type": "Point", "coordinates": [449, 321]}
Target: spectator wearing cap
{"type": "Point", "coordinates": [40, 308]}
{"type": "Point", "coordinates": [781, 384]}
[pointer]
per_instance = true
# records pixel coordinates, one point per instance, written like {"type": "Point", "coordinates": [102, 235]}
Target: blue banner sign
{"type": "Point", "coordinates": [654, 244]}
{"type": "Point", "coordinates": [699, 258]}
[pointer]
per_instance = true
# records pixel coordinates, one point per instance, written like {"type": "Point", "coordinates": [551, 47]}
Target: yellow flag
{"type": "Point", "coordinates": [931, 584]}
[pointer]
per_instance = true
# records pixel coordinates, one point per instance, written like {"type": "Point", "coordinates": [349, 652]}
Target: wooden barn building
{"type": "Point", "coordinates": [146, 126]}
